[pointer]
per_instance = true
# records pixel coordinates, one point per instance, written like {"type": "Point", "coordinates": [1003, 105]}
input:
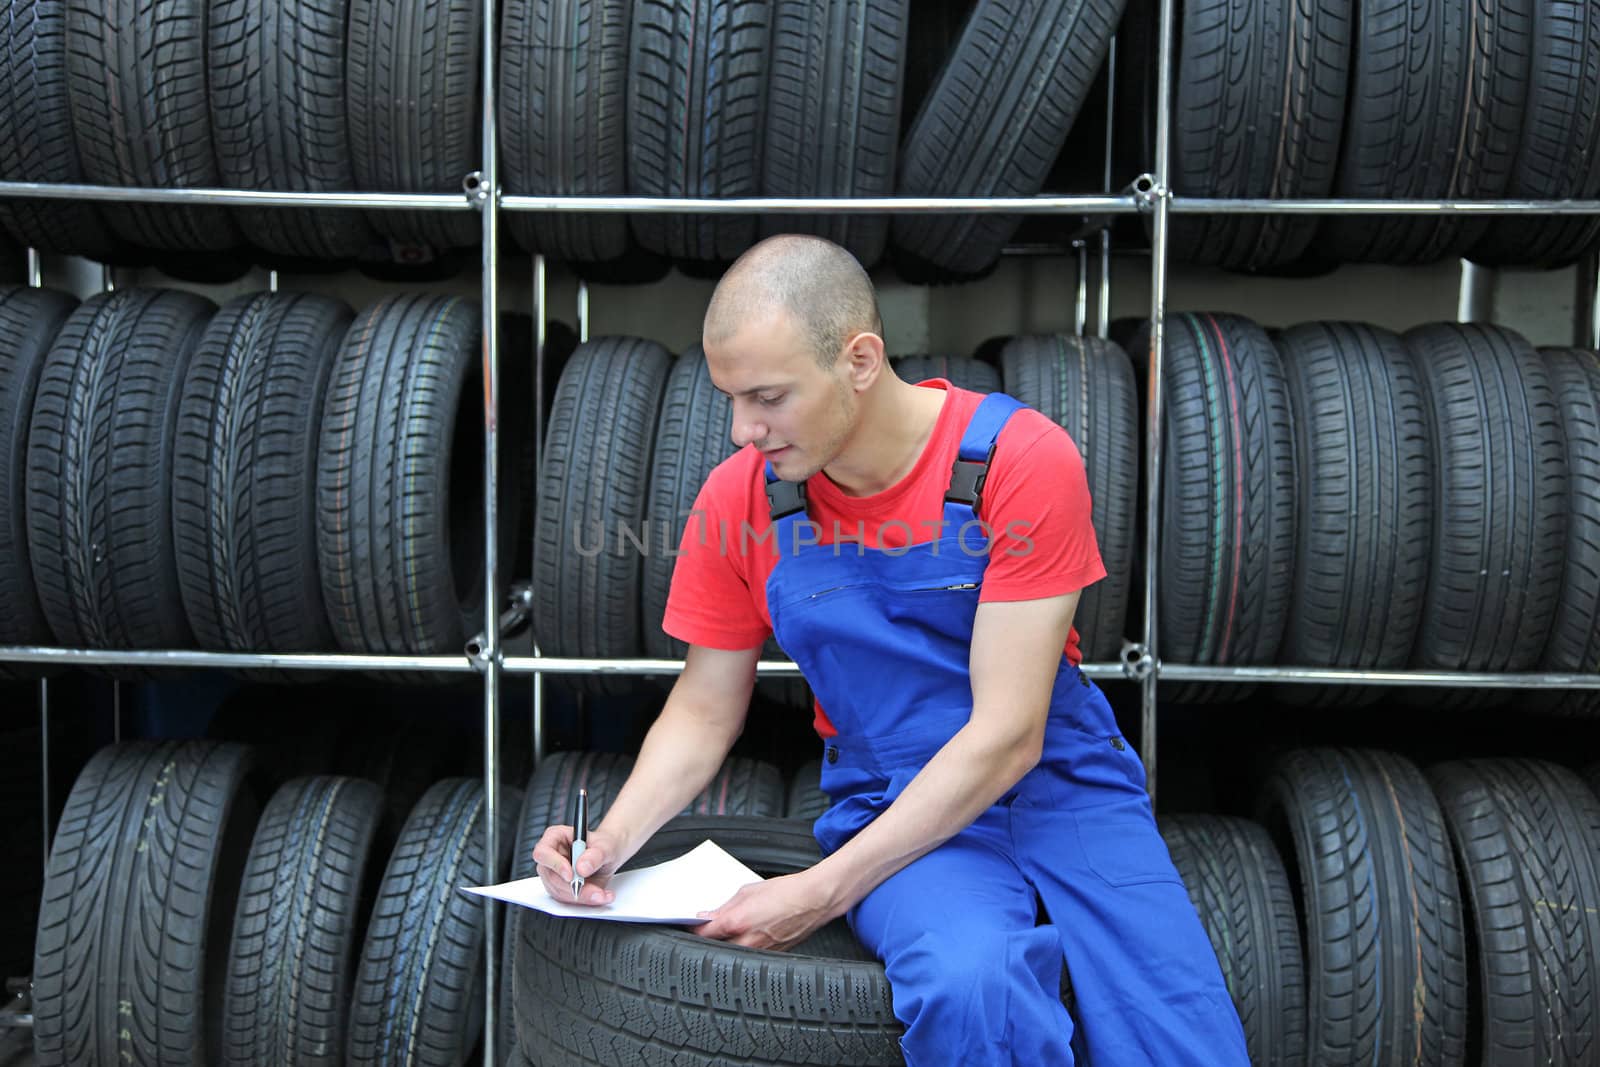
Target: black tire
{"type": "Point", "coordinates": [1527, 835]}
{"type": "Point", "coordinates": [412, 97]}
{"type": "Point", "coordinates": [697, 83]}
{"type": "Point", "coordinates": [626, 994]}
{"type": "Point", "coordinates": [136, 84]}
{"type": "Point", "coordinates": [1364, 502]}
{"type": "Point", "coordinates": [100, 468]}
{"type": "Point", "coordinates": [1435, 112]}
{"type": "Point", "coordinates": [292, 962]}
{"type": "Point", "coordinates": [1238, 885]}
{"type": "Point", "coordinates": [1258, 111]}
{"type": "Point", "coordinates": [691, 438]}
{"type": "Point", "coordinates": [1227, 505]}
{"type": "Point", "coordinates": [1574, 643]}
{"type": "Point", "coordinates": [244, 481]}
{"type": "Point", "coordinates": [39, 145]}
{"type": "Point", "coordinates": [1500, 499]}
{"type": "Point", "coordinates": [1558, 156]}
{"type": "Point", "coordinates": [276, 70]}
{"type": "Point", "coordinates": [563, 80]}
{"type": "Point", "coordinates": [1086, 385]}
{"type": "Point", "coordinates": [418, 992]}
{"type": "Point", "coordinates": [592, 481]}
{"type": "Point", "coordinates": [1365, 845]}
{"type": "Point", "coordinates": [400, 482]}
{"type": "Point", "coordinates": [806, 800]}
{"type": "Point", "coordinates": [833, 114]}
{"type": "Point", "coordinates": [960, 372]}
{"type": "Point", "coordinates": [744, 787]}
{"type": "Point", "coordinates": [29, 321]}
{"type": "Point", "coordinates": [984, 131]}
{"type": "Point", "coordinates": [133, 926]}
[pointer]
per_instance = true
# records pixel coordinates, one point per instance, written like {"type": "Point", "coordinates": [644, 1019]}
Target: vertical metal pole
{"type": "Point", "coordinates": [1586, 303]}
{"type": "Point", "coordinates": [1080, 315]}
{"type": "Point", "coordinates": [44, 767]}
{"type": "Point", "coordinates": [1103, 319]}
{"type": "Point", "coordinates": [540, 321]}
{"type": "Point", "coordinates": [1475, 296]}
{"type": "Point", "coordinates": [116, 712]}
{"type": "Point", "coordinates": [35, 269]}
{"type": "Point", "coordinates": [1158, 312]}
{"type": "Point", "coordinates": [583, 311]}
{"type": "Point", "coordinates": [489, 204]}
{"type": "Point", "coordinates": [272, 281]}
{"type": "Point", "coordinates": [108, 278]}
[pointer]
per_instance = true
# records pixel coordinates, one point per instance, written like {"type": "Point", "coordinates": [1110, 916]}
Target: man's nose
{"type": "Point", "coordinates": [746, 430]}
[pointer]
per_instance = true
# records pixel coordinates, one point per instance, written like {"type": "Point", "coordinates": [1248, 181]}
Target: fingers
{"type": "Point", "coordinates": [553, 857]}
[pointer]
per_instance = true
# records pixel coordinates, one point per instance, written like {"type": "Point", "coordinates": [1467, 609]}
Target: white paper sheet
{"type": "Point", "coordinates": [672, 892]}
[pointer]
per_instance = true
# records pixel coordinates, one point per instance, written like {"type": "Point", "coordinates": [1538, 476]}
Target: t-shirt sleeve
{"type": "Point", "coordinates": [709, 602]}
{"type": "Point", "coordinates": [1038, 506]}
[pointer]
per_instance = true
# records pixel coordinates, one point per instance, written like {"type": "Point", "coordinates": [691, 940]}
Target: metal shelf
{"type": "Point", "coordinates": [1182, 672]}
{"type": "Point", "coordinates": [288, 661]}
{"type": "Point", "coordinates": [462, 201]}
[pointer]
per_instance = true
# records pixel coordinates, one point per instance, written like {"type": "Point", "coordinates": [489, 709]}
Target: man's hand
{"type": "Point", "coordinates": [776, 914]}
{"type": "Point", "coordinates": [598, 863]}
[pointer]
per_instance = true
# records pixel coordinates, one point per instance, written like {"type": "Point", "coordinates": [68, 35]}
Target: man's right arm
{"type": "Point", "coordinates": [702, 718]}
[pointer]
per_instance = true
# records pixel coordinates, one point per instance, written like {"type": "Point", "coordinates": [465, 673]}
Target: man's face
{"type": "Point", "coordinates": [797, 414]}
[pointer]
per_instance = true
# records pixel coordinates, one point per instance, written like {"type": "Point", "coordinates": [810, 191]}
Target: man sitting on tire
{"type": "Point", "coordinates": [919, 552]}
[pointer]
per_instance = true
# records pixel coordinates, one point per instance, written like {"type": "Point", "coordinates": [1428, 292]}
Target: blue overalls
{"type": "Point", "coordinates": [884, 638]}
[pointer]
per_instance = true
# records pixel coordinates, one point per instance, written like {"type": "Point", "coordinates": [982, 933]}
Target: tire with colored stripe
{"type": "Point", "coordinates": [295, 934]}
{"type": "Point", "coordinates": [1500, 500]}
{"type": "Point", "coordinates": [623, 994]}
{"type": "Point", "coordinates": [833, 114]}
{"type": "Point", "coordinates": [138, 898]}
{"type": "Point", "coordinates": [1574, 643]}
{"type": "Point", "coordinates": [1258, 111]}
{"type": "Point", "coordinates": [418, 991]}
{"type": "Point", "coordinates": [1086, 386]}
{"type": "Point", "coordinates": [100, 469]}
{"type": "Point", "coordinates": [1436, 112]}
{"type": "Point", "coordinates": [400, 479]}
{"type": "Point", "coordinates": [1558, 154]}
{"type": "Point", "coordinates": [691, 439]}
{"type": "Point", "coordinates": [593, 493]}
{"type": "Point", "coordinates": [1227, 501]}
{"type": "Point", "coordinates": [1364, 499]}
{"type": "Point", "coordinates": [1364, 841]}
{"type": "Point", "coordinates": [984, 131]}
{"type": "Point", "coordinates": [961, 372]}
{"type": "Point", "coordinates": [1238, 885]}
{"type": "Point", "coordinates": [244, 480]}
{"type": "Point", "coordinates": [1527, 837]}
{"type": "Point", "coordinates": [697, 87]}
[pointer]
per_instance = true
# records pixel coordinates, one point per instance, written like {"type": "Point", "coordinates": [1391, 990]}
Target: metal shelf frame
{"type": "Point", "coordinates": [1148, 194]}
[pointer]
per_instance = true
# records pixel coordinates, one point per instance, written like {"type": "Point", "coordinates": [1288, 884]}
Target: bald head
{"type": "Point", "coordinates": [816, 283]}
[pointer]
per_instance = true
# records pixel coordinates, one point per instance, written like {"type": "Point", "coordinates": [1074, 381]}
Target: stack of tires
{"type": "Point", "coordinates": [276, 475]}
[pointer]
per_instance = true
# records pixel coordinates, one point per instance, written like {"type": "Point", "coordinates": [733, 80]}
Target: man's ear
{"type": "Point", "coordinates": [864, 360]}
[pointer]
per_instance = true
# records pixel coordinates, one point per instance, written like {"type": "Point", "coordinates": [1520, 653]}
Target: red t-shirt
{"type": "Point", "coordinates": [1035, 502]}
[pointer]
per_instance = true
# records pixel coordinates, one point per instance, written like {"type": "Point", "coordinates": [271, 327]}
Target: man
{"type": "Point", "coordinates": [919, 552]}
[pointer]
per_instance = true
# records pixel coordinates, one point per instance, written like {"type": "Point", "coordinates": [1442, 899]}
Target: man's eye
{"type": "Point", "coordinates": [770, 400]}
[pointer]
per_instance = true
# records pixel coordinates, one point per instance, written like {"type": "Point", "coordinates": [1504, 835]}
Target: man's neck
{"type": "Point", "coordinates": [893, 433]}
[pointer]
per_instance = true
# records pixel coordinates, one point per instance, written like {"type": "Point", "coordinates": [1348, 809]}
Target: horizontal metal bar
{"type": "Point", "coordinates": [1193, 205]}
{"type": "Point", "coordinates": [16, 1020]}
{"type": "Point", "coordinates": [1098, 204]}
{"type": "Point", "coordinates": [765, 668]}
{"type": "Point", "coordinates": [240, 197]}
{"type": "Point", "coordinates": [291, 661]}
{"type": "Point", "coordinates": [1173, 672]}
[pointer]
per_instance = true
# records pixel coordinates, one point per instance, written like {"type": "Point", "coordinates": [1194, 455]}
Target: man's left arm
{"type": "Point", "coordinates": [1016, 653]}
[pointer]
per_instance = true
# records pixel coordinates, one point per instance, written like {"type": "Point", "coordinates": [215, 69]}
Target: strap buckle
{"type": "Point", "coordinates": [785, 498]}
{"type": "Point", "coordinates": [967, 477]}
